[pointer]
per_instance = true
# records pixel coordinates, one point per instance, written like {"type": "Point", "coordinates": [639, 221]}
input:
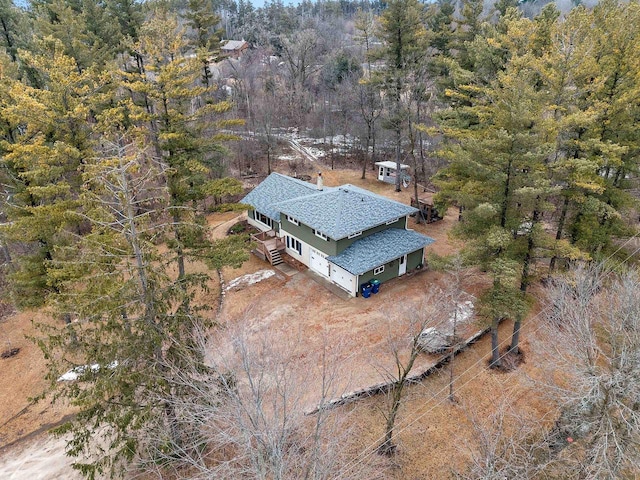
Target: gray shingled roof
{"type": "Point", "coordinates": [377, 249]}
{"type": "Point", "coordinates": [233, 45]}
{"type": "Point", "coordinates": [344, 210]}
{"type": "Point", "coordinates": [274, 189]}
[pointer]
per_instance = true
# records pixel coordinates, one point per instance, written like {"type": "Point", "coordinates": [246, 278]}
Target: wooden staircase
{"type": "Point", "coordinates": [269, 246]}
{"type": "Point", "coordinates": [274, 257]}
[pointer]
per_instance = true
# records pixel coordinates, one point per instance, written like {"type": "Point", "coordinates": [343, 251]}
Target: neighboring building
{"type": "Point", "coordinates": [233, 48]}
{"type": "Point", "coordinates": [346, 234]}
{"type": "Point", "coordinates": [387, 171]}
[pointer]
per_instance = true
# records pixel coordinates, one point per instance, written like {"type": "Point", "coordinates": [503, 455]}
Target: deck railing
{"type": "Point", "coordinates": [268, 242]}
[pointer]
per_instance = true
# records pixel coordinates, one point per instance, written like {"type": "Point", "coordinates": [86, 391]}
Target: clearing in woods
{"type": "Point", "coordinates": [308, 320]}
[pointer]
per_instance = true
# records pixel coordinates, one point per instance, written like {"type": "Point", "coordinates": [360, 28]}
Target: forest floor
{"type": "Point", "coordinates": [434, 436]}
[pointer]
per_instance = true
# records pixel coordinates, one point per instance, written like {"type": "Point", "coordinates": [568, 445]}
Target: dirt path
{"type": "Point", "coordinates": [219, 231]}
{"type": "Point", "coordinates": [40, 457]}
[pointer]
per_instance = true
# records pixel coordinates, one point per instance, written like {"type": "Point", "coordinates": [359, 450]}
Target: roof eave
{"type": "Point", "coordinates": [378, 225]}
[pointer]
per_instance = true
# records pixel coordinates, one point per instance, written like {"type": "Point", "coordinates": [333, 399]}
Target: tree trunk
{"type": "Point", "coordinates": [133, 238]}
{"type": "Point", "coordinates": [332, 152]}
{"type": "Point", "coordinates": [515, 338]}
{"type": "Point", "coordinates": [172, 423]}
{"type": "Point", "coordinates": [366, 152]}
{"type": "Point", "coordinates": [148, 107]}
{"type": "Point", "coordinates": [422, 159]}
{"type": "Point", "coordinates": [206, 73]}
{"type": "Point", "coordinates": [387, 447]}
{"type": "Point", "coordinates": [268, 156]}
{"type": "Point", "coordinates": [495, 348]}
{"type": "Point", "coordinates": [559, 231]}
{"type": "Point", "coordinates": [10, 46]}
{"type": "Point", "coordinates": [125, 320]}
{"type": "Point", "coordinates": [507, 191]}
{"type": "Point", "coordinates": [373, 148]}
{"type": "Point", "coordinates": [179, 249]}
{"type": "Point", "coordinates": [7, 255]}
{"type": "Point", "coordinates": [524, 279]}
{"type": "Point", "coordinates": [398, 159]}
{"type": "Point", "coordinates": [452, 355]}
{"type": "Point", "coordinates": [420, 215]}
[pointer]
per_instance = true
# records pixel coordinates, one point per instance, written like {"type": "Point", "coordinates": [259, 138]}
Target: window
{"type": "Point", "coordinates": [353, 235]}
{"type": "Point", "coordinates": [294, 244]}
{"type": "Point", "coordinates": [392, 221]}
{"type": "Point", "coordinates": [379, 270]}
{"type": "Point", "coordinates": [293, 220]}
{"type": "Point", "coordinates": [321, 235]}
{"type": "Point", "coordinates": [262, 218]}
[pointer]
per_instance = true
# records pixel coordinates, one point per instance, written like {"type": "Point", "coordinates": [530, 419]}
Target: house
{"type": "Point", "coordinates": [387, 171]}
{"type": "Point", "coordinates": [233, 48]}
{"type": "Point", "coordinates": [346, 234]}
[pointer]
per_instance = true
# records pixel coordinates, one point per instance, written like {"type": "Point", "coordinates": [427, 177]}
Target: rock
{"type": "Point", "coordinates": [432, 340]}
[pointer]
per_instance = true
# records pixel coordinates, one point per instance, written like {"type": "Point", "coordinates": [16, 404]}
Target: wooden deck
{"type": "Point", "coordinates": [269, 246]}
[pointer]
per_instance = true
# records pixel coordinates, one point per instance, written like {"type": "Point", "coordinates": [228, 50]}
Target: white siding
{"type": "Point", "coordinates": [304, 257]}
{"type": "Point", "coordinates": [344, 279]}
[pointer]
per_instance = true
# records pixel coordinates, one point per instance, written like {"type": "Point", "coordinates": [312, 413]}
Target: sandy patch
{"type": "Point", "coordinates": [39, 458]}
{"type": "Point", "coordinates": [249, 279]}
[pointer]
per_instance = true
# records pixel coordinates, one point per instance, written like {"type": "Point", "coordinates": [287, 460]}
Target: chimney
{"type": "Point", "coordinates": [320, 183]}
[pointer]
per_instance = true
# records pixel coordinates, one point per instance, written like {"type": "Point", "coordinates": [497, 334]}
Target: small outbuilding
{"type": "Point", "coordinates": [233, 48]}
{"type": "Point", "coordinates": [387, 171]}
{"type": "Point", "coordinates": [427, 210]}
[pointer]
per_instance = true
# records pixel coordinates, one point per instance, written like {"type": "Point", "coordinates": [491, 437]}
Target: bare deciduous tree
{"type": "Point", "coordinates": [245, 415]}
{"type": "Point", "coordinates": [300, 52]}
{"type": "Point", "coordinates": [507, 444]}
{"type": "Point", "coordinates": [404, 345]}
{"type": "Point", "coordinates": [593, 324]}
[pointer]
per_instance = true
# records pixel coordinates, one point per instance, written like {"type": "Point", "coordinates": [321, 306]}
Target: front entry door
{"type": "Point", "coordinates": [403, 265]}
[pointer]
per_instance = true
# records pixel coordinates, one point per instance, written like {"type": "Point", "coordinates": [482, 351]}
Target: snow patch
{"type": "Point", "coordinates": [249, 279]}
{"type": "Point", "coordinates": [76, 372]}
{"type": "Point", "coordinates": [463, 312]}
{"type": "Point", "coordinates": [288, 157]}
{"type": "Point", "coordinates": [316, 152]}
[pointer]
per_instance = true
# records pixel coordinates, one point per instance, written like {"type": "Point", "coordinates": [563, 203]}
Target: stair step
{"type": "Point", "coordinates": [276, 258]}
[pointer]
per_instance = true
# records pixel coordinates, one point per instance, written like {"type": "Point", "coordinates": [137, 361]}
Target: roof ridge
{"type": "Point", "coordinates": [357, 189]}
{"type": "Point", "coordinates": [294, 179]}
{"type": "Point", "coordinates": [316, 193]}
{"type": "Point", "coordinates": [341, 211]}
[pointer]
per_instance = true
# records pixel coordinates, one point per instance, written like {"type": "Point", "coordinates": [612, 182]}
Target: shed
{"type": "Point", "coordinates": [387, 171]}
{"type": "Point", "coordinates": [233, 48]}
{"type": "Point", "coordinates": [428, 211]}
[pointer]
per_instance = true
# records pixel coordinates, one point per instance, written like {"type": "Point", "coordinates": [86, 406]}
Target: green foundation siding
{"type": "Point", "coordinates": [414, 259]}
{"type": "Point", "coordinates": [305, 234]}
{"type": "Point", "coordinates": [391, 269]}
{"type": "Point", "coordinates": [346, 242]}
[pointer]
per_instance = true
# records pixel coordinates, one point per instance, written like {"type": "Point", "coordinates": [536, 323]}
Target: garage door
{"type": "Point", "coordinates": [343, 278]}
{"type": "Point", "coordinates": [318, 262]}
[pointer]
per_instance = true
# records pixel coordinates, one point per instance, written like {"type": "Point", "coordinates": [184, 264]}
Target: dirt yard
{"type": "Point", "coordinates": [307, 320]}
